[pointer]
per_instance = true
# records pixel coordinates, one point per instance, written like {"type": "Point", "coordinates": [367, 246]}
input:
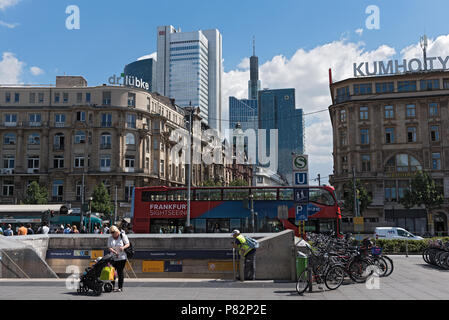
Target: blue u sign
{"type": "Point", "coordinates": [301, 179]}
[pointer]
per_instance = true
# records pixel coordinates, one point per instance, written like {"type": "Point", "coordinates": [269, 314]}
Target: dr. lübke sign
{"type": "Point", "coordinates": [379, 68]}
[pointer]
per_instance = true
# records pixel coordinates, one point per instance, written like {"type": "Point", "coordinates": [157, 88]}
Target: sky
{"type": "Point", "coordinates": [297, 41]}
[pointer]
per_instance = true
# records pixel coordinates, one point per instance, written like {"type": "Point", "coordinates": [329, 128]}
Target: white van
{"type": "Point", "coordinates": [394, 233]}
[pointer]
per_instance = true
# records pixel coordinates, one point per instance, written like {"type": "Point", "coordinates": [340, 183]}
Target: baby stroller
{"type": "Point", "coordinates": [90, 280]}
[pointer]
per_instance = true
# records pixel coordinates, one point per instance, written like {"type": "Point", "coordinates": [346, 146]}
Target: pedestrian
{"type": "Point", "coordinates": [8, 232]}
{"type": "Point", "coordinates": [216, 228]}
{"type": "Point", "coordinates": [22, 230]}
{"type": "Point", "coordinates": [74, 229]}
{"type": "Point", "coordinates": [68, 229]}
{"type": "Point", "coordinates": [106, 229]}
{"type": "Point", "coordinates": [247, 253]}
{"type": "Point", "coordinates": [117, 243]}
{"type": "Point", "coordinates": [96, 230]}
{"type": "Point", "coordinates": [29, 230]}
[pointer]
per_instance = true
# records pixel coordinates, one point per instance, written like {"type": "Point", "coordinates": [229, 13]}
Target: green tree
{"type": "Point", "coordinates": [363, 197]}
{"type": "Point", "coordinates": [423, 192]}
{"type": "Point", "coordinates": [101, 202]}
{"type": "Point", "coordinates": [36, 194]}
{"type": "Point", "coordinates": [211, 183]}
{"type": "Point", "coordinates": [239, 183]}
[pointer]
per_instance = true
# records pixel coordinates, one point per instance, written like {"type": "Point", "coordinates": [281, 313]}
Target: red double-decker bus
{"type": "Point", "coordinates": [223, 209]}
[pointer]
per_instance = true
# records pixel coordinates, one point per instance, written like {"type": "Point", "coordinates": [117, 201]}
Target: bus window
{"type": "Point", "coordinates": [321, 196]}
{"type": "Point", "coordinates": [286, 194]}
{"type": "Point", "coordinates": [208, 194]}
{"type": "Point", "coordinates": [235, 194]}
{"type": "Point", "coordinates": [148, 196]}
{"type": "Point", "coordinates": [265, 194]}
{"type": "Point", "coordinates": [177, 195]}
{"type": "Point", "coordinates": [199, 225]}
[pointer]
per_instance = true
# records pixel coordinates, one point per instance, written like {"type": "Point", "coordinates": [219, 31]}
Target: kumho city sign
{"type": "Point", "coordinates": [379, 68]}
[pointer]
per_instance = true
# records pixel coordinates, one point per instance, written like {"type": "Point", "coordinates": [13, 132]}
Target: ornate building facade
{"type": "Point", "coordinates": [387, 128]}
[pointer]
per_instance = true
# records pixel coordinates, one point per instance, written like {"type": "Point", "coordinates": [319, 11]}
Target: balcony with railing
{"type": "Point", "coordinates": [105, 146]}
{"type": "Point", "coordinates": [58, 147]}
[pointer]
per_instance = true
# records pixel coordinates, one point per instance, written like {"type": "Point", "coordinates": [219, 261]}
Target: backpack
{"type": "Point", "coordinates": [254, 244]}
{"type": "Point", "coordinates": [130, 250]}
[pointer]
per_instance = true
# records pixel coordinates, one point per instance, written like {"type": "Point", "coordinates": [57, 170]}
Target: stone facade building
{"type": "Point", "coordinates": [120, 136]}
{"type": "Point", "coordinates": [388, 128]}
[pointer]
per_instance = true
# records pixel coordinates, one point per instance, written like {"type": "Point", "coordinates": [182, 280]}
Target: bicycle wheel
{"type": "Point", "coordinates": [334, 277]}
{"type": "Point", "coordinates": [390, 265]}
{"type": "Point", "coordinates": [303, 282]}
{"type": "Point", "coordinates": [358, 270]}
{"type": "Point", "coordinates": [382, 266]}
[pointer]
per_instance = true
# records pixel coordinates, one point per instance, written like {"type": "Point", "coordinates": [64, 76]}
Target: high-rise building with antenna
{"type": "Point", "coordinates": [254, 83]}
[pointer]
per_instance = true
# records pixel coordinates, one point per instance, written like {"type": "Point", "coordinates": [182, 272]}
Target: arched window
{"type": "Point", "coordinates": [34, 139]}
{"type": "Point", "coordinates": [403, 163]}
{"type": "Point", "coordinates": [130, 139]}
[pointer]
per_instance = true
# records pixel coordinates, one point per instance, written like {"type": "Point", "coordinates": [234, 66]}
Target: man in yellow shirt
{"type": "Point", "coordinates": [247, 254]}
{"type": "Point", "coordinates": [22, 231]}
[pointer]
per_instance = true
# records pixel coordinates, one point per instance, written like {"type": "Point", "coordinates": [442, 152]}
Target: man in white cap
{"type": "Point", "coordinates": [247, 254]}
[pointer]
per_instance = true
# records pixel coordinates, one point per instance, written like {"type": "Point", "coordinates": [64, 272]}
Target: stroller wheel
{"type": "Point", "coordinates": [98, 289]}
{"type": "Point", "coordinates": [108, 287]}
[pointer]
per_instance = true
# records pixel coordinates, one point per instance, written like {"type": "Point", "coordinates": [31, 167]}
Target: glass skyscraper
{"type": "Point", "coordinates": [143, 69]}
{"type": "Point", "coordinates": [243, 111]}
{"type": "Point", "coordinates": [277, 110]}
{"type": "Point", "coordinates": [189, 70]}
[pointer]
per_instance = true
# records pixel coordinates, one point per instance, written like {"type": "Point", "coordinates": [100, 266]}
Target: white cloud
{"type": "Point", "coordinates": [36, 71]}
{"type": "Point", "coordinates": [8, 3]}
{"type": "Point", "coordinates": [244, 64]}
{"type": "Point", "coordinates": [8, 25]}
{"type": "Point", "coordinates": [149, 56]}
{"type": "Point", "coordinates": [359, 31]}
{"type": "Point", "coordinates": [11, 69]}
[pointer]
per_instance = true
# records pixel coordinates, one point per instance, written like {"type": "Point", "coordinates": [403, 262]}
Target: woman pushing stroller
{"type": "Point", "coordinates": [117, 243]}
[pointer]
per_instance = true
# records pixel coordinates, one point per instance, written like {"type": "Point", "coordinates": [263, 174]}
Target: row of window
{"type": "Point", "coordinates": [400, 163]}
{"type": "Point", "coordinates": [40, 97]}
{"type": "Point", "coordinates": [390, 136]}
{"type": "Point", "coordinates": [343, 93]}
{"type": "Point", "coordinates": [57, 191]}
{"type": "Point", "coordinates": [389, 112]}
{"type": "Point", "coordinates": [59, 139]}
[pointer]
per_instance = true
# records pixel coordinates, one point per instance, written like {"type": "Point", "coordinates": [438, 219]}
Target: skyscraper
{"type": "Point", "coordinates": [190, 70]}
{"type": "Point", "coordinates": [254, 82]}
{"type": "Point", "coordinates": [243, 111]}
{"type": "Point", "coordinates": [143, 69]}
{"type": "Point", "coordinates": [277, 110]}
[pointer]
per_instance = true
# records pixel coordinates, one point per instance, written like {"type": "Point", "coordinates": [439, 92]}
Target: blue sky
{"type": "Point", "coordinates": [297, 41]}
{"type": "Point", "coordinates": [114, 33]}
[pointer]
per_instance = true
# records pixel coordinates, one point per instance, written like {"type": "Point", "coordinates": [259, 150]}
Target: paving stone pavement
{"type": "Point", "coordinates": [412, 279]}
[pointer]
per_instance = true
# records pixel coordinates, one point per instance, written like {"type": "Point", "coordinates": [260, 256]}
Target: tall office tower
{"type": "Point", "coordinates": [277, 110]}
{"type": "Point", "coordinates": [243, 111]}
{"type": "Point", "coordinates": [254, 83]}
{"type": "Point", "coordinates": [143, 69]}
{"type": "Point", "coordinates": [189, 69]}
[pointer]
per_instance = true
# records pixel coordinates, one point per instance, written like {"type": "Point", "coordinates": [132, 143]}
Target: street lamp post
{"type": "Point", "coordinates": [90, 212]}
{"type": "Point", "coordinates": [189, 163]}
{"type": "Point", "coordinates": [251, 198]}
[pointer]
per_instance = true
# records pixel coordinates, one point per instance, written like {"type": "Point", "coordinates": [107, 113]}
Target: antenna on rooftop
{"type": "Point", "coordinates": [424, 43]}
{"type": "Point", "coordinates": [254, 46]}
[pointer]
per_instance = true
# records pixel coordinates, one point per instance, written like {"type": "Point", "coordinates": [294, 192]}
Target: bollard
{"type": "Point", "coordinates": [242, 268]}
{"type": "Point", "coordinates": [233, 261]}
{"type": "Point", "coordinates": [406, 248]}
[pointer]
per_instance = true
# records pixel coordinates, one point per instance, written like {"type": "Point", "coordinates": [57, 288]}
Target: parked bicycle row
{"type": "Point", "coordinates": [437, 254]}
{"type": "Point", "coordinates": [331, 260]}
